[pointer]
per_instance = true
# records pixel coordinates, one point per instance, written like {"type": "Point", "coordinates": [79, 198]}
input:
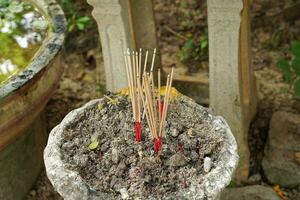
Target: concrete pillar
{"type": "Point", "coordinates": [230, 77]}
{"type": "Point", "coordinates": [122, 25]}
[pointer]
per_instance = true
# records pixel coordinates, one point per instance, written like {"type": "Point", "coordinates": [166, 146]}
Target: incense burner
{"type": "Point", "coordinates": [197, 160]}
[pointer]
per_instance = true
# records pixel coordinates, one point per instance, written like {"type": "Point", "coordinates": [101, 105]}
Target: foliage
{"type": "Point", "coordinates": [74, 20]}
{"type": "Point", "coordinates": [12, 12]}
{"type": "Point", "coordinates": [9, 47]}
{"type": "Point", "coordinates": [192, 23]}
{"type": "Point", "coordinates": [194, 50]}
{"type": "Point", "coordinates": [14, 57]}
{"type": "Point", "coordinates": [291, 69]}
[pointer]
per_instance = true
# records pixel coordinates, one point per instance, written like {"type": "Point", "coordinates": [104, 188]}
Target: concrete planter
{"type": "Point", "coordinates": [72, 187]}
{"type": "Point", "coordinates": [22, 100]}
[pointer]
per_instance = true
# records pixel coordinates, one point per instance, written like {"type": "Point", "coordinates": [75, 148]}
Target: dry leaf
{"type": "Point", "coordinates": [124, 91]}
{"type": "Point", "coordinates": [279, 192]}
{"type": "Point", "coordinates": [190, 132]}
{"type": "Point", "coordinates": [100, 106]}
{"type": "Point", "coordinates": [174, 94]}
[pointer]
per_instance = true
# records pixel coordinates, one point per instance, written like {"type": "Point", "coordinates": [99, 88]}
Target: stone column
{"type": "Point", "coordinates": [122, 24]}
{"type": "Point", "coordinates": [229, 73]}
{"type": "Point", "coordinates": [116, 36]}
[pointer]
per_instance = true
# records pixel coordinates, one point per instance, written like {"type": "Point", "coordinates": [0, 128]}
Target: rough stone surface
{"type": "Point", "coordinates": [71, 185]}
{"type": "Point", "coordinates": [280, 162]}
{"type": "Point", "coordinates": [177, 160]}
{"type": "Point", "coordinates": [207, 164]}
{"type": "Point", "coordinates": [254, 179]}
{"type": "Point", "coordinates": [255, 192]}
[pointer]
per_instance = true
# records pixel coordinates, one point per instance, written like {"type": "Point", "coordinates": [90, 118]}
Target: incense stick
{"type": "Point", "coordinates": [158, 95]}
{"type": "Point", "coordinates": [168, 99]}
{"type": "Point", "coordinates": [145, 96]}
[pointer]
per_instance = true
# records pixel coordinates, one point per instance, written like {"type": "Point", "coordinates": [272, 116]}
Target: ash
{"type": "Point", "coordinates": [129, 169]}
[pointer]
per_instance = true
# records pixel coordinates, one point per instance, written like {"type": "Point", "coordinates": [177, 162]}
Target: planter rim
{"type": "Point", "coordinates": [213, 182]}
{"type": "Point", "coordinates": [49, 48]}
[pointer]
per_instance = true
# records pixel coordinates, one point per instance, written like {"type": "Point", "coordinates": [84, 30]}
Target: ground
{"type": "Point", "coordinates": [273, 28]}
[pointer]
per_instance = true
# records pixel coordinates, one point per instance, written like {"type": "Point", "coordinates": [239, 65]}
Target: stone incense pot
{"type": "Point", "coordinates": [92, 154]}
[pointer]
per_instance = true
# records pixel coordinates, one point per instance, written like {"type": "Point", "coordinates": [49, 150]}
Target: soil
{"type": "Point", "coordinates": [119, 164]}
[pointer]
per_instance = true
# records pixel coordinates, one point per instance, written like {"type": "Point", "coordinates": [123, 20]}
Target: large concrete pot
{"type": "Point", "coordinates": [22, 100]}
{"type": "Point", "coordinates": [70, 184]}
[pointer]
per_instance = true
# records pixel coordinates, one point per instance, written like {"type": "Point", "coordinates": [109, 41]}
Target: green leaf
{"type": "Point", "coordinates": [204, 44]}
{"type": "Point", "coordinates": [296, 65]}
{"type": "Point", "coordinates": [285, 67]}
{"type": "Point", "coordinates": [84, 19]}
{"type": "Point", "coordinates": [232, 184]}
{"type": "Point", "coordinates": [297, 88]}
{"type": "Point", "coordinates": [80, 26]}
{"type": "Point", "coordinates": [296, 48]}
{"type": "Point", "coordinates": [93, 145]}
{"type": "Point", "coordinates": [71, 27]}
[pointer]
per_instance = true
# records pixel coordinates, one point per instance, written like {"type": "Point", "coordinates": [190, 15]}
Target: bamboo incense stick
{"type": "Point", "coordinates": [146, 60]}
{"type": "Point", "coordinates": [140, 62]}
{"type": "Point", "coordinates": [158, 95]}
{"type": "Point", "coordinates": [147, 111]}
{"type": "Point", "coordinates": [153, 60]}
{"type": "Point", "coordinates": [151, 71]}
{"type": "Point", "coordinates": [164, 107]}
{"type": "Point", "coordinates": [145, 96]}
{"type": "Point", "coordinates": [168, 99]}
{"type": "Point", "coordinates": [147, 116]}
{"type": "Point", "coordinates": [138, 80]}
{"type": "Point", "coordinates": [132, 84]}
{"type": "Point", "coordinates": [129, 80]}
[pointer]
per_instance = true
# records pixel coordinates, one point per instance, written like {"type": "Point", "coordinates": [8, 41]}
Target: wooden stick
{"type": "Point", "coordinates": [164, 107]}
{"type": "Point", "coordinates": [135, 82]}
{"type": "Point", "coordinates": [145, 62]}
{"type": "Point", "coordinates": [153, 98]}
{"type": "Point", "coordinates": [151, 71]}
{"type": "Point", "coordinates": [140, 63]}
{"type": "Point", "coordinates": [150, 103]}
{"type": "Point", "coordinates": [158, 96]}
{"type": "Point", "coordinates": [137, 91]}
{"type": "Point", "coordinates": [149, 113]}
{"type": "Point", "coordinates": [143, 102]}
{"type": "Point", "coordinates": [153, 59]}
{"type": "Point", "coordinates": [132, 85]}
{"type": "Point", "coordinates": [127, 74]}
{"type": "Point", "coordinates": [128, 77]}
{"type": "Point", "coordinates": [168, 99]}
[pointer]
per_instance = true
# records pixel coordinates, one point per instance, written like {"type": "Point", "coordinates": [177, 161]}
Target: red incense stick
{"type": "Point", "coordinates": [157, 144]}
{"type": "Point", "coordinates": [138, 131]}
